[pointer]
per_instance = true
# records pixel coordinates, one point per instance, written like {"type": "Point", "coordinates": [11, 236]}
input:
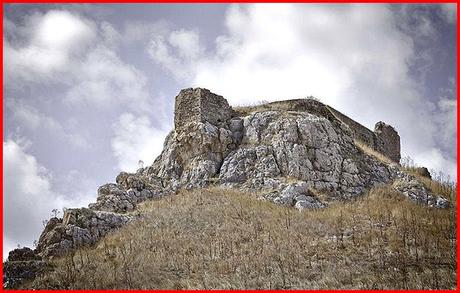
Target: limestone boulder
{"type": "Point", "coordinates": [304, 147]}
{"type": "Point", "coordinates": [79, 227]}
{"type": "Point", "coordinates": [412, 188]}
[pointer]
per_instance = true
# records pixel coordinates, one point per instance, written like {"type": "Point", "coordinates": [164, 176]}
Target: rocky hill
{"type": "Point", "coordinates": [298, 153]}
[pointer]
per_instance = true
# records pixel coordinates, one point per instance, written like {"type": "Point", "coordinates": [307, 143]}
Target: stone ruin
{"type": "Point", "coordinates": [200, 105]}
{"type": "Point", "coordinates": [288, 152]}
{"type": "Point", "coordinates": [384, 139]}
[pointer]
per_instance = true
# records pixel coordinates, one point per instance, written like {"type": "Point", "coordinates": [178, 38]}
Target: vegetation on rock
{"type": "Point", "coordinates": [222, 238]}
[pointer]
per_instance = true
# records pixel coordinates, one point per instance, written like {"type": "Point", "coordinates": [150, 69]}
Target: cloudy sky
{"type": "Point", "coordinates": [89, 89]}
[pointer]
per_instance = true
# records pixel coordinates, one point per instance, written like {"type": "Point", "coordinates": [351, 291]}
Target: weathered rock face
{"type": "Point", "coordinates": [22, 264]}
{"type": "Point", "coordinates": [79, 227]}
{"type": "Point", "coordinates": [298, 195]}
{"type": "Point", "coordinates": [423, 171]}
{"type": "Point", "coordinates": [412, 188]}
{"type": "Point", "coordinates": [304, 147]}
{"type": "Point", "coordinates": [272, 149]}
{"type": "Point", "coordinates": [123, 196]}
{"type": "Point", "coordinates": [17, 272]}
{"type": "Point", "coordinates": [266, 149]}
{"type": "Point", "coordinates": [22, 254]}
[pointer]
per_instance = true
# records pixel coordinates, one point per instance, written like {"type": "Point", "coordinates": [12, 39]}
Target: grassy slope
{"type": "Point", "coordinates": [219, 238]}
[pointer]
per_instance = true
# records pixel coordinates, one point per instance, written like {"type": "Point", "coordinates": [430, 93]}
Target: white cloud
{"type": "Point", "coordinates": [102, 79]}
{"type": "Point", "coordinates": [186, 42]}
{"type": "Point", "coordinates": [110, 35]}
{"type": "Point", "coordinates": [177, 53]}
{"type": "Point", "coordinates": [434, 159]}
{"type": "Point", "coordinates": [61, 48]}
{"type": "Point", "coordinates": [352, 57]}
{"type": "Point", "coordinates": [447, 122]}
{"type": "Point", "coordinates": [28, 196]}
{"type": "Point", "coordinates": [135, 139]}
{"type": "Point", "coordinates": [31, 118]}
{"type": "Point", "coordinates": [53, 40]}
{"type": "Point", "coordinates": [62, 30]}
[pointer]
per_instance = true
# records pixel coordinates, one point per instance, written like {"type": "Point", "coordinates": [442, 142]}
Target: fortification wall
{"type": "Point", "coordinates": [387, 141]}
{"type": "Point", "coordinates": [307, 105]}
{"type": "Point", "coordinates": [384, 139]}
{"type": "Point", "coordinates": [200, 105]}
{"type": "Point", "coordinates": [187, 107]}
{"type": "Point", "coordinates": [361, 132]}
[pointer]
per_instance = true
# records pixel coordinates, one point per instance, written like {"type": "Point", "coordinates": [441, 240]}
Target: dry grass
{"type": "Point", "coordinates": [220, 238]}
{"type": "Point", "coordinates": [248, 109]}
{"type": "Point", "coordinates": [371, 152]}
{"type": "Point", "coordinates": [284, 105]}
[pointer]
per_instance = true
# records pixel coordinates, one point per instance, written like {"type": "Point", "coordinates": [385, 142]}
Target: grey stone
{"type": "Point", "coordinates": [411, 187]}
{"type": "Point", "coordinates": [79, 227]}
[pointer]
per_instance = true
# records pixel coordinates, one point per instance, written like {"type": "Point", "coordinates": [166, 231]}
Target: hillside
{"type": "Point", "coordinates": [289, 194]}
{"type": "Point", "coordinates": [222, 238]}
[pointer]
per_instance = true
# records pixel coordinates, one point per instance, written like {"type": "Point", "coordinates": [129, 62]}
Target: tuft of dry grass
{"type": "Point", "coordinates": [284, 105]}
{"type": "Point", "coordinates": [245, 110]}
{"type": "Point", "coordinates": [371, 152]}
{"type": "Point", "coordinates": [226, 239]}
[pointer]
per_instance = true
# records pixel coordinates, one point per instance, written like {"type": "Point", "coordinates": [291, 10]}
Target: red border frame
{"type": "Point", "coordinates": [216, 2]}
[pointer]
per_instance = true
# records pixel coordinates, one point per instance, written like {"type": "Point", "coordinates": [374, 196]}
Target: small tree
{"type": "Point", "coordinates": [55, 213]}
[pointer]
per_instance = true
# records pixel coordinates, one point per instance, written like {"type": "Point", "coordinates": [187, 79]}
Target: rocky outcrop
{"type": "Point", "coordinates": [78, 227]}
{"type": "Point", "coordinates": [298, 195]}
{"type": "Point", "coordinates": [129, 190]}
{"type": "Point", "coordinates": [302, 147]}
{"type": "Point", "coordinates": [23, 264]}
{"type": "Point", "coordinates": [290, 151]}
{"type": "Point", "coordinates": [411, 187]}
{"type": "Point", "coordinates": [422, 171]}
{"type": "Point", "coordinates": [299, 153]}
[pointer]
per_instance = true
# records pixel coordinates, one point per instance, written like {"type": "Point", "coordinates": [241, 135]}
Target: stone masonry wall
{"type": "Point", "coordinates": [187, 107]}
{"type": "Point", "coordinates": [387, 141]}
{"type": "Point", "coordinates": [200, 105]}
{"type": "Point", "coordinates": [384, 138]}
{"type": "Point", "coordinates": [360, 132]}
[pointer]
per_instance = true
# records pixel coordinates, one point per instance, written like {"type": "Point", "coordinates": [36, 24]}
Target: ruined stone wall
{"type": "Point", "coordinates": [214, 108]}
{"type": "Point", "coordinates": [200, 105]}
{"type": "Point", "coordinates": [187, 107]}
{"type": "Point", "coordinates": [384, 138]}
{"type": "Point", "coordinates": [387, 141]}
{"type": "Point", "coordinates": [360, 132]}
{"type": "Point", "coordinates": [307, 105]}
